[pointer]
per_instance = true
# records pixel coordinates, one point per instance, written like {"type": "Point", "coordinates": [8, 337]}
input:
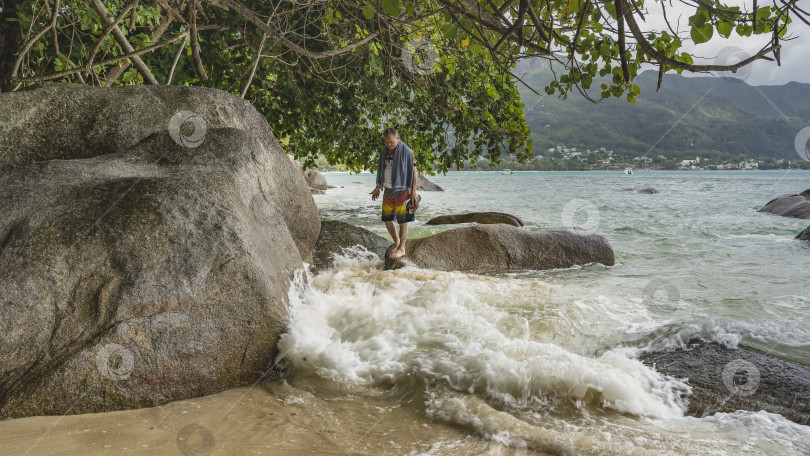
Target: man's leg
{"type": "Point", "coordinates": [403, 236]}
{"type": "Point", "coordinates": [392, 230]}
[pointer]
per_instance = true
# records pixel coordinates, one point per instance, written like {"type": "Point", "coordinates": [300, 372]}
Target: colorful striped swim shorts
{"type": "Point", "coordinates": [393, 206]}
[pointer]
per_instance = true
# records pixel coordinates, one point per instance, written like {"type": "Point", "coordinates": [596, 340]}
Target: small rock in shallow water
{"type": "Point", "coordinates": [791, 205]}
{"type": "Point", "coordinates": [484, 218]}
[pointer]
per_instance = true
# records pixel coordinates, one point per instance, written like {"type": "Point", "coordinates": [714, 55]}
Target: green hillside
{"type": "Point", "coordinates": [713, 117]}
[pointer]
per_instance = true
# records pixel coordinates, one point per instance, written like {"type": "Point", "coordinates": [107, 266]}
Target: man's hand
{"type": "Point", "coordinates": [413, 196]}
{"type": "Point", "coordinates": [375, 193]}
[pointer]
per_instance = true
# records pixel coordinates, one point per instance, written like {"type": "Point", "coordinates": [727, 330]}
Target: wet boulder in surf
{"type": "Point", "coordinates": [148, 236]}
{"type": "Point", "coordinates": [727, 380]}
{"type": "Point", "coordinates": [643, 191]}
{"type": "Point", "coordinates": [790, 205]}
{"type": "Point", "coordinates": [336, 236]}
{"type": "Point", "coordinates": [315, 179]}
{"type": "Point", "coordinates": [505, 247]}
{"type": "Point", "coordinates": [424, 184]}
{"type": "Point", "coordinates": [484, 218]}
{"type": "Point", "coordinates": [804, 235]}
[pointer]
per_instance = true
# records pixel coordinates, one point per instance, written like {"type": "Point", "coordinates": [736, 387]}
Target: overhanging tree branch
{"type": "Point", "coordinates": [107, 18]}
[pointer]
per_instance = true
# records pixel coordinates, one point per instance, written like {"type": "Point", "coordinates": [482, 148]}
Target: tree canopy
{"type": "Point", "coordinates": [329, 75]}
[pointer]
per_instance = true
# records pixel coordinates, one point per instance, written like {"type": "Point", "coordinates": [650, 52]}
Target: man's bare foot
{"type": "Point", "coordinates": [398, 253]}
{"type": "Point", "coordinates": [393, 249]}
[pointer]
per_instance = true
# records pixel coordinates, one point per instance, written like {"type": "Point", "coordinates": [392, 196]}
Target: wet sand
{"type": "Point", "coordinates": [274, 419]}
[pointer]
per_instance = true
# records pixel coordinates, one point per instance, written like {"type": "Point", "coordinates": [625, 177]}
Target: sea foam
{"type": "Point", "coordinates": [355, 323]}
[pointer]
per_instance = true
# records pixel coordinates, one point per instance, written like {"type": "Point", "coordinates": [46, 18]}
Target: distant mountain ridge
{"type": "Point", "coordinates": [717, 117]}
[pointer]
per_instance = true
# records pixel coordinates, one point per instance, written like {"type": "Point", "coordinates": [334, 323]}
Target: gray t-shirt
{"type": "Point", "coordinates": [389, 169]}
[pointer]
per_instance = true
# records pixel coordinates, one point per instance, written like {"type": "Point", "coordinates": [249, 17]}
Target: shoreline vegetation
{"type": "Point", "coordinates": [496, 171]}
{"type": "Point", "coordinates": [546, 164]}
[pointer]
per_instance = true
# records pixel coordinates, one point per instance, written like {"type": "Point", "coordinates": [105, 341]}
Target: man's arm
{"type": "Point", "coordinates": [376, 192]}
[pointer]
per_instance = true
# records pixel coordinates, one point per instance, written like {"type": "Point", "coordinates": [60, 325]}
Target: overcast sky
{"type": "Point", "coordinates": [795, 54]}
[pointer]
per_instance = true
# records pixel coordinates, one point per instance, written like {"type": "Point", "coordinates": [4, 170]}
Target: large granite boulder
{"type": "Point", "coordinates": [726, 380]}
{"type": "Point", "coordinates": [315, 179]}
{"type": "Point", "coordinates": [426, 185]}
{"type": "Point", "coordinates": [148, 236]}
{"type": "Point", "coordinates": [484, 218]}
{"type": "Point", "coordinates": [336, 236]}
{"type": "Point", "coordinates": [505, 247]}
{"type": "Point", "coordinates": [804, 235]}
{"type": "Point", "coordinates": [792, 205]}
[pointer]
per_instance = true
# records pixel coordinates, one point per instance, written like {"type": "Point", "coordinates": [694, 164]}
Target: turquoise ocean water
{"type": "Point", "coordinates": [545, 360]}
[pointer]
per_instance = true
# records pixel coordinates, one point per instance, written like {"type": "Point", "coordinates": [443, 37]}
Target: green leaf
{"type": "Point", "coordinates": [744, 30]}
{"type": "Point", "coordinates": [368, 11]}
{"type": "Point", "coordinates": [391, 7]}
{"type": "Point", "coordinates": [611, 9]}
{"type": "Point", "coordinates": [724, 28]}
{"type": "Point", "coordinates": [698, 20]}
{"type": "Point", "coordinates": [702, 34]}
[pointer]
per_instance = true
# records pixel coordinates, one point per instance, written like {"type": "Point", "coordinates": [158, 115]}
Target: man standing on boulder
{"type": "Point", "coordinates": [397, 176]}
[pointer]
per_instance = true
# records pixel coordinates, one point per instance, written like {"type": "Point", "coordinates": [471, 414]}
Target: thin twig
{"type": "Point", "coordinates": [176, 59]}
{"type": "Point", "coordinates": [195, 45]}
